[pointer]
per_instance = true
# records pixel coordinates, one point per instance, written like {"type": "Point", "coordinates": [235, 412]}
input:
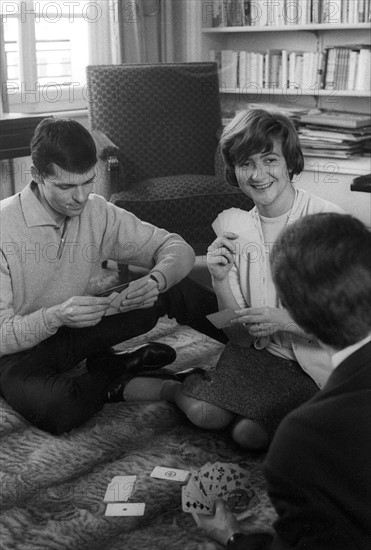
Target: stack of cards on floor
{"type": "Point", "coordinates": [118, 492]}
{"type": "Point", "coordinates": [219, 480]}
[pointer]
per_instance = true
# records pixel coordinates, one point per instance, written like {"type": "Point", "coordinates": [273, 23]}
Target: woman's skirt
{"type": "Point", "coordinates": [253, 384]}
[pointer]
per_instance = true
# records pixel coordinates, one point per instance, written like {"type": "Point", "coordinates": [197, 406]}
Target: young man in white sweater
{"type": "Point", "coordinates": [54, 235]}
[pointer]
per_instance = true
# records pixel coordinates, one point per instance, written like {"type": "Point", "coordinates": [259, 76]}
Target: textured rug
{"type": "Point", "coordinates": [52, 488]}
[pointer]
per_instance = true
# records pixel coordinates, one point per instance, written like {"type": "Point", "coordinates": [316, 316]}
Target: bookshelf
{"type": "Point", "coordinates": [272, 40]}
{"type": "Point", "coordinates": [326, 177]}
{"type": "Point", "coordinates": [290, 28]}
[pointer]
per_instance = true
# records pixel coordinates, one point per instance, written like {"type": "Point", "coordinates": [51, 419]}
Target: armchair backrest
{"type": "Point", "coordinates": [165, 118]}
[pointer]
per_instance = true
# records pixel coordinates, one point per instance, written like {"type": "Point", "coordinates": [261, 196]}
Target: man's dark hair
{"type": "Point", "coordinates": [254, 131]}
{"type": "Point", "coordinates": [321, 266]}
{"type": "Point", "coordinates": [63, 142]}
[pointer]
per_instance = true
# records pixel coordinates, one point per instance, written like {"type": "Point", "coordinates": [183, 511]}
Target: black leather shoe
{"type": "Point", "coordinates": [149, 356]}
{"type": "Point", "coordinates": [114, 393]}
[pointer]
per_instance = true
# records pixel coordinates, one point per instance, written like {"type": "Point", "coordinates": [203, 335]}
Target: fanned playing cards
{"type": "Point", "coordinates": [219, 480]}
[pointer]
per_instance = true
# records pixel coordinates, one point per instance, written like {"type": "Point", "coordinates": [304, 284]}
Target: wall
{"type": "Point", "coordinates": [331, 180]}
{"type": "Point", "coordinates": [15, 174]}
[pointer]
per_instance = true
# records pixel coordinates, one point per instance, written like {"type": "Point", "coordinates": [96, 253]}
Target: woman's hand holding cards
{"type": "Point", "coordinates": [220, 256]}
{"type": "Point", "coordinates": [264, 321]}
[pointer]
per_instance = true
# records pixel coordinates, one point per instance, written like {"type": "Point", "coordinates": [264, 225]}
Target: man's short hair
{"type": "Point", "coordinates": [254, 131]}
{"type": "Point", "coordinates": [63, 142]}
{"type": "Point", "coordinates": [321, 266]}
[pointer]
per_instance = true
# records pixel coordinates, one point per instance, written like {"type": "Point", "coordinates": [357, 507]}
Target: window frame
{"type": "Point", "coordinates": [34, 98]}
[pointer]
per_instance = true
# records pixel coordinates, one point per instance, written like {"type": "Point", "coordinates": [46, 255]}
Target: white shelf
{"type": "Point", "coordinates": [276, 92]}
{"type": "Point", "coordinates": [355, 166]}
{"type": "Point", "coordinates": [310, 37]}
{"type": "Point", "coordinates": [283, 28]}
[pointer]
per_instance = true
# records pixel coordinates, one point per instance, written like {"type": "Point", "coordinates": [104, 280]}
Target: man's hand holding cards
{"type": "Point", "coordinates": [219, 480]}
{"type": "Point", "coordinates": [138, 294]}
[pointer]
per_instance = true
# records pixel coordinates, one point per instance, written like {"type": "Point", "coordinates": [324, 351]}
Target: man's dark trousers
{"type": "Point", "coordinates": [38, 384]}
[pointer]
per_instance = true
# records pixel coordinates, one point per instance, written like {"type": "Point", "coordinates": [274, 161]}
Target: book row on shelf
{"type": "Point", "coordinates": [340, 68]}
{"type": "Point", "coordinates": [323, 133]}
{"type": "Point", "coordinates": [234, 13]}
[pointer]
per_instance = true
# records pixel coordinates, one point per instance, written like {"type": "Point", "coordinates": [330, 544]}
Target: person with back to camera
{"type": "Point", "coordinates": [318, 465]}
{"type": "Point", "coordinates": [270, 366]}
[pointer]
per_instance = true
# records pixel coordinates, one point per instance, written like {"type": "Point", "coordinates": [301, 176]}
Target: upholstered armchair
{"type": "Point", "coordinates": [157, 128]}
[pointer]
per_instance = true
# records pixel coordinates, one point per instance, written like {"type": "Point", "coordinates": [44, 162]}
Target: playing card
{"type": "Point", "coordinates": [198, 478]}
{"type": "Point", "coordinates": [113, 309]}
{"type": "Point", "coordinates": [118, 294]}
{"type": "Point", "coordinates": [171, 474]}
{"type": "Point", "coordinates": [239, 499]}
{"type": "Point", "coordinates": [206, 478]}
{"type": "Point", "coordinates": [219, 472]}
{"type": "Point", "coordinates": [221, 318]}
{"type": "Point", "coordinates": [116, 300]}
{"type": "Point", "coordinates": [120, 489]}
{"type": "Point", "coordinates": [192, 501]}
{"type": "Point", "coordinates": [196, 486]}
{"type": "Point", "coordinates": [234, 477]}
{"type": "Point", "coordinates": [125, 509]}
{"type": "Point", "coordinates": [234, 487]}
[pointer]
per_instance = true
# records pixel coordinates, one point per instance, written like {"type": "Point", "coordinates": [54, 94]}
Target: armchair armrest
{"type": "Point", "coordinates": [105, 147]}
{"type": "Point", "coordinates": [108, 165]}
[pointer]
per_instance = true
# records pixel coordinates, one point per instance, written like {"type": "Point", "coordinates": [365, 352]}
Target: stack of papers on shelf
{"type": "Point", "coordinates": [339, 119]}
{"type": "Point", "coordinates": [293, 112]}
{"type": "Point", "coordinates": [335, 134]}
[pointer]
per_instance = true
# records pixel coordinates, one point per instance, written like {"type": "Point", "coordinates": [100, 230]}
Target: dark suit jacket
{"type": "Point", "coordinates": [319, 467]}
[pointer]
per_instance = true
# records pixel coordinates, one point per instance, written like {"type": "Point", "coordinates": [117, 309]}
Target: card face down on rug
{"type": "Point", "coordinates": [219, 480]}
{"type": "Point", "coordinates": [170, 474]}
{"type": "Point", "coordinates": [120, 489]}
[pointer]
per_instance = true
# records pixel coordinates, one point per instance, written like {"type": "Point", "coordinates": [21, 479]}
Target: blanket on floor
{"type": "Point", "coordinates": [52, 488]}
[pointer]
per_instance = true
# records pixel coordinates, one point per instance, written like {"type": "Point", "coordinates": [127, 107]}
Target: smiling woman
{"type": "Point", "coordinates": [253, 133]}
{"type": "Point", "coordinates": [265, 179]}
{"type": "Point", "coordinates": [270, 366]}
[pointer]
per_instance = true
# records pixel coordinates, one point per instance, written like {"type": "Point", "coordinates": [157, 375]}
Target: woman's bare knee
{"type": "Point", "coordinates": [249, 434]}
{"type": "Point", "coordinates": [202, 414]}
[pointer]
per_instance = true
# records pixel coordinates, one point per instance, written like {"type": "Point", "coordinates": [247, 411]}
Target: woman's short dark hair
{"type": "Point", "coordinates": [321, 265]}
{"type": "Point", "coordinates": [63, 142]}
{"type": "Point", "coordinates": [254, 131]}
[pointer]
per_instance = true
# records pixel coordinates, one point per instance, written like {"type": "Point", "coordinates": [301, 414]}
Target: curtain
{"type": "Point", "coordinates": [4, 108]}
{"type": "Point", "coordinates": [146, 31]}
{"type": "Point", "coordinates": [104, 39]}
{"type": "Point", "coordinates": [167, 31]}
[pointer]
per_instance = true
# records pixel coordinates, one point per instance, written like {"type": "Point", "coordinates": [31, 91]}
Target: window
{"type": "Point", "coordinates": [47, 47]}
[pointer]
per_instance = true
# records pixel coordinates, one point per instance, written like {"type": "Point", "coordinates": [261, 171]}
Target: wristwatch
{"type": "Point", "coordinates": [233, 538]}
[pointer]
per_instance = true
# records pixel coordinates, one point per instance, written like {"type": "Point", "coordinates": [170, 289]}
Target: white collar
{"type": "Point", "coordinates": [341, 355]}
